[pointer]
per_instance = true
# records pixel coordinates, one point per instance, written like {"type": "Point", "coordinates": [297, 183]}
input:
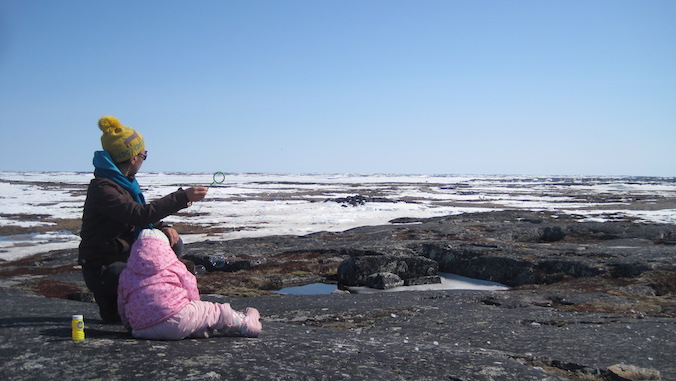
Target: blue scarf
{"type": "Point", "coordinates": [104, 167]}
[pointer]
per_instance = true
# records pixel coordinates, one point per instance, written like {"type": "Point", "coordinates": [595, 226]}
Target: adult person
{"type": "Point", "coordinates": [115, 211]}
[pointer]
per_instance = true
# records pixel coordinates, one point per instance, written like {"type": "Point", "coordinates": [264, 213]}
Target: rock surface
{"type": "Point", "coordinates": [393, 336]}
{"type": "Point", "coordinates": [384, 281]}
{"type": "Point", "coordinates": [590, 301]}
{"type": "Point", "coordinates": [385, 271]}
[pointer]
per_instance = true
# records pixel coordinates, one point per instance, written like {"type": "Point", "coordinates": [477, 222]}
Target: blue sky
{"type": "Point", "coordinates": [422, 87]}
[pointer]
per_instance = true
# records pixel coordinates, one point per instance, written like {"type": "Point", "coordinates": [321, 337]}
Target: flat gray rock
{"type": "Point", "coordinates": [383, 336]}
{"type": "Point", "coordinates": [590, 301]}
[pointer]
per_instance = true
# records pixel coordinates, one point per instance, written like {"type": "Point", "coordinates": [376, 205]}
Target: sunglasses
{"type": "Point", "coordinates": [144, 156]}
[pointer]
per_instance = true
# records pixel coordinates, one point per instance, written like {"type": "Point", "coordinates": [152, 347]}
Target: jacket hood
{"type": "Point", "coordinates": [150, 255]}
{"type": "Point", "coordinates": [102, 160]}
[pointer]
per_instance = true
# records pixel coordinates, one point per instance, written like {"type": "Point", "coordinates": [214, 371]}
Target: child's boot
{"type": "Point", "coordinates": [252, 323]}
{"type": "Point", "coordinates": [235, 323]}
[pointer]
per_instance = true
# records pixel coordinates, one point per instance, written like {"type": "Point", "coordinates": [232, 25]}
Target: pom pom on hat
{"type": "Point", "coordinates": [108, 124]}
{"type": "Point", "coordinates": [121, 142]}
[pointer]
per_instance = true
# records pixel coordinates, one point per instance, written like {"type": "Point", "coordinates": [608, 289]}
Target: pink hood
{"type": "Point", "coordinates": [155, 285]}
{"type": "Point", "coordinates": [150, 255]}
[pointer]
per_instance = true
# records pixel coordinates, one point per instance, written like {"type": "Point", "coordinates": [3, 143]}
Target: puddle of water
{"type": "Point", "coordinates": [448, 282]}
{"type": "Point", "coordinates": [309, 289]}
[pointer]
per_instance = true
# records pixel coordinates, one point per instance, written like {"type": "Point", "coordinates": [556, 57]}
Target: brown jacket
{"type": "Point", "coordinates": [110, 218]}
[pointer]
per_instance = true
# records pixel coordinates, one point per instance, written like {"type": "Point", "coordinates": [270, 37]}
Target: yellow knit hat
{"type": "Point", "coordinates": [121, 142]}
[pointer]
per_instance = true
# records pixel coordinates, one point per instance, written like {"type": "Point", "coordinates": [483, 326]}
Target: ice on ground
{"type": "Point", "coordinates": [448, 282]}
{"type": "Point", "coordinates": [22, 245]}
{"type": "Point", "coordinates": [255, 205]}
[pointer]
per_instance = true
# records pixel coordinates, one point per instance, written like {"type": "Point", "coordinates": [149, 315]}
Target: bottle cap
{"type": "Point", "coordinates": [77, 317]}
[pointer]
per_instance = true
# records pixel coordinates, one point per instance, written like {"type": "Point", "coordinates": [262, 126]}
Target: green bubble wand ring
{"type": "Point", "coordinates": [218, 177]}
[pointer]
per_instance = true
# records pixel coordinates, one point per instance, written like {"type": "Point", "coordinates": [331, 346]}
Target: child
{"type": "Point", "coordinates": [158, 297]}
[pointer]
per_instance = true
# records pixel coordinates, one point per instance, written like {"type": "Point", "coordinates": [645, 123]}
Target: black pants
{"type": "Point", "coordinates": [102, 282]}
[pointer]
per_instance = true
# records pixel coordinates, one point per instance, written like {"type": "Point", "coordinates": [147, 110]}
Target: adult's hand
{"type": "Point", "coordinates": [196, 193]}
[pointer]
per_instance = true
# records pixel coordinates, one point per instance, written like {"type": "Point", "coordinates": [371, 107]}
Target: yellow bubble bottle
{"type": "Point", "coordinates": [77, 326]}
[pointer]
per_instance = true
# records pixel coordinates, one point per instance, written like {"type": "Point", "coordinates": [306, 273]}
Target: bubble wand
{"type": "Point", "coordinates": [218, 178]}
{"type": "Point", "coordinates": [217, 260]}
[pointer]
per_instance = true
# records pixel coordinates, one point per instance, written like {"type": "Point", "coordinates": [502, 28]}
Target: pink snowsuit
{"type": "Point", "coordinates": [158, 298]}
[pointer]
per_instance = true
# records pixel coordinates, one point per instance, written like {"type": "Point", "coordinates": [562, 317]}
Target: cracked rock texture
{"type": "Point", "coordinates": [590, 301]}
{"type": "Point", "coordinates": [436, 335]}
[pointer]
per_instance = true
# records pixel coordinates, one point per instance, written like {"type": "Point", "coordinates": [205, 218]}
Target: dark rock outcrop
{"type": "Point", "coordinates": [383, 281]}
{"type": "Point", "coordinates": [220, 264]}
{"type": "Point", "coordinates": [362, 270]}
{"type": "Point", "coordinates": [357, 200]}
{"type": "Point", "coordinates": [504, 263]}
